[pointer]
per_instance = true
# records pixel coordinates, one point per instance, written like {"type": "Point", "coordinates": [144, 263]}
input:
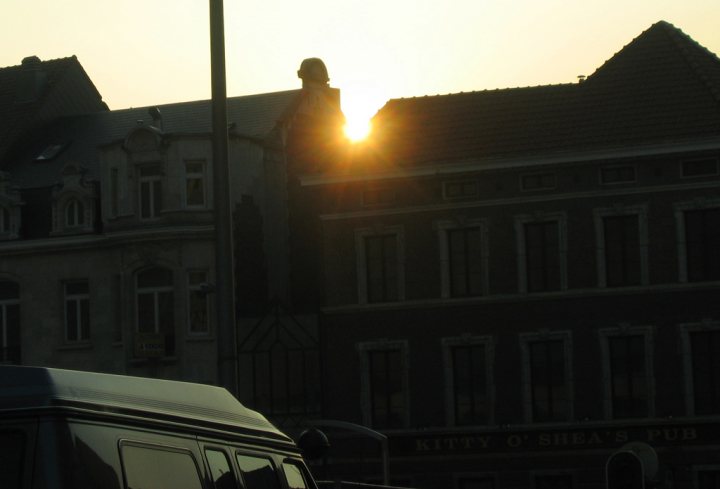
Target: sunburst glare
{"type": "Point", "coordinates": [359, 103]}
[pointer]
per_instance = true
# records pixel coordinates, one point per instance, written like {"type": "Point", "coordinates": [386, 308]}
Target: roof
{"type": "Point", "coordinates": [252, 115]}
{"type": "Point", "coordinates": [661, 87]}
{"type": "Point", "coordinates": [17, 116]}
{"type": "Point", "coordinates": [179, 402]}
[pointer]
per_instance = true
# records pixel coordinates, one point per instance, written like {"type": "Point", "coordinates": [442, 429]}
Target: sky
{"type": "Point", "coordinates": [152, 52]}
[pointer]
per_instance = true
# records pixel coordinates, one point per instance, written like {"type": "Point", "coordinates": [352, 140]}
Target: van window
{"type": "Point", "coordinates": [294, 476]}
{"type": "Point", "coordinates": [220, 471]}
{"type": "Point", "coordinates": [12, 448]}
{"type": "Point", "coordinates": [159, 468]}
{"type": "Point", "coordinates": [258, 472]}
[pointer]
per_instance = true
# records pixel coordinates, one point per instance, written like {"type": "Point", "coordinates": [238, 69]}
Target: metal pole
{"type": "Point", "coordinates": [224, 268]}
{"type": "Point", "coordinates": [363, 431]}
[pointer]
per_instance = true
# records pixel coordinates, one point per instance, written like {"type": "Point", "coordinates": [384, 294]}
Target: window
{"type": "Point", "coordinates": [547, 376]}
{"type": "Point", "coordinates": [150, 192]}
{"type": "Point", "coordinates": [197, 303]}
{"type": "Point", "coordinates": [159, 468]}
{"type": "Point", "coordinates": [699, 168]}
{"type": "Point", "coordinates": [701, 359]}
{"type": "Point", "coordinates": [698, 237]}
{"type": "Point", "coordinates": [258, 473]}
{"type": "Point", "coordinates": [627, 372]}
{"type": "Point", "coordinates": [617, 174]}
{"type": "Point", "coordinates": [702, 241]}
{"type": "Point", "coordinates": [12, 451]}
{"type": "Point", "coordinates": [75, 213]}
{"type": "Point", "coordinates": [621, 240]}
{"type": "Point", "coordinates": [463, 257]}
{"type": "Point", "coordinates": [4, 219]}
{"type": "Point", "coordinates": [468, 380]}
{"type": "Point", "coordinates": [50, 152]}
{"type": "Point", "coordinates": [542, 252]}
{"type": "Point", "coordinates": [542, 246]}
{"type": "Point", "coordinates": [380, 264]}
{"type": "Point", "coordinates": [456, 190]}
{"type": "Point", "coordinates": [708, 479]}
{"type": "Point", "coordinates": [195, 184]}
{"type": "Point", "coordinates": [77, 311]}
{"type": "Point", "coordinates": [114, 196]}
{"type": "Point", "coordinates": [155, 309]}
{"type": "Point", "coordinates": [222, 474]}
{"type": "Point", "coordinates": [295, 476]}
{"type": "Point", "coordinates": [10, 322]}
{"type": "Point", "coordinates": [538, 181]}
{"type": "Point", "coordinates": [385, 384]}
{"type": "Point", "coordinates": [378, 196]}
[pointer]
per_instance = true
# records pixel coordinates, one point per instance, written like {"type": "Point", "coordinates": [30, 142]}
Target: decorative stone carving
{"type": "Point", "coordinates": [143, 138]}
{"type": "Point", "coordinates": [73, 203]}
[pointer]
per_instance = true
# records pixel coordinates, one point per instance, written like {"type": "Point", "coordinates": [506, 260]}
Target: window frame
{"type": "Point", "coordinates": [364, 349]}
{"type": "Point", "coordinates": [523, 176]}
{"type": "Point", "coordinates": [202, 176]}
{"type": "Point", "coordinates": [156, 304]}
{"type": "Point", "coordinates": [446, 184]}
{"type": "Point", "coordinates": [624, 329]}
{"type": "Point", "coordinates": [620, 210]}
{"type": "Point", "coordinates": [150, 179]}
{"type": "Point", "coordinates": [78, 299]}
{"type": "Point", "coordinates": [361, 260]}
{"type": "Point", "coordinates": [76, 208]}
{"type": "Point", "coordinates": [686, 330]}
{"type": "Point", "coordinates": [602, 170]}
{"type": "Point", "coordinates": [444, 228]}
{"type": "Point", "coordinates": [698, 204]}
{"type": "Point", "coordinates": [448, 344]}
{"type": "Point", "coordinates": [521, 246]}
{"type": "Point", "coordinates": [5, 353]}
{"type": "Point", "coordinates": [693, 160]}
{"type": "Point", "coordinates": [538, 337]}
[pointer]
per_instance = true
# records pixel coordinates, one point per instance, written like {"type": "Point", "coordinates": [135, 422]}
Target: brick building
{"type": "Point", "coordinates": [516, 283]}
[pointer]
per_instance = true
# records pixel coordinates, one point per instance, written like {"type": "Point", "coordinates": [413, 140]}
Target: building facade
{"type": "Point", "coordinates": [518, 283]}
{"type": "Point", "coordinates": [107, 258]}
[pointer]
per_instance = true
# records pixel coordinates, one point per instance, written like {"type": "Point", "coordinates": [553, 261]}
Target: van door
{"type": "Point", "coordinates": [17, 442]}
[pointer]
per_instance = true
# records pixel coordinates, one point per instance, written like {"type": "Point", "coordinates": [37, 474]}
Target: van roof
{"type": "Point", "coordinates": [165, 400]}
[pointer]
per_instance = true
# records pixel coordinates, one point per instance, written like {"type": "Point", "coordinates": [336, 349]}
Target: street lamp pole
{"type": "Point", "coordinates": [222, 211]}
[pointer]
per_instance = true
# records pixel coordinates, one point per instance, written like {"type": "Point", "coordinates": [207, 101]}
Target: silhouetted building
{"type": "Point", "coordinates": [106, 225]}
{"type": "Point", "coordinates": [517, 283]}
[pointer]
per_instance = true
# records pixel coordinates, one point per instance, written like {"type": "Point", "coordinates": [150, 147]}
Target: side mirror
{"type": "Point", "coordinates": [313, 443]}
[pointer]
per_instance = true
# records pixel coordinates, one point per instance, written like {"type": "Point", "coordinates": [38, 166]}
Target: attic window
{"type": "Point", "coordinates": [700, 168]}
{"type": "Point", "coordinates": [456, 190]}
{"type": "Point", "coordinates": [50, 152]}
{"type": "Point", "coordinates": [538, 181]}
{"type": "Point", "coordinates": [617, 174]}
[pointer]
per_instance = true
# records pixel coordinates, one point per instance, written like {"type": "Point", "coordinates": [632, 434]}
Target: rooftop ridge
{"type": "Point", "coordinates": [679, 38]}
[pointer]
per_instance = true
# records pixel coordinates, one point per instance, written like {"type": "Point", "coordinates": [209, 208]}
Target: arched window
{"type": "Point", "coordinates": [4, 219]}
{"type": "Point", "coordinates": [9, 322]}
{"type": "Point", "coordinates": [155, 311]}
{"type": "Point", "coordinates": [75, 213]}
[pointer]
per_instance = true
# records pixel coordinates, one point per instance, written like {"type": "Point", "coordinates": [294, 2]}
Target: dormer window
{"type": "Point", "coordinates": [75, 213]}
{"type": "Point", "coordinates": [150, 192]}
{"type": "Point", "coordinates": [50, 152]}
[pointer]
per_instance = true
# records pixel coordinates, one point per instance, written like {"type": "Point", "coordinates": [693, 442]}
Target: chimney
{"type": "Point", "coordinates": [32, 80]}
{"type": "Point", "coordinates": [156, 117]}
{"type": "Point", "coordinates": [313, 73]}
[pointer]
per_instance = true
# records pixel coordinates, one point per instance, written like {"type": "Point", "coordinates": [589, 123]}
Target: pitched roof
{"type": "Point", "coordinates": [253, 115]}
{"type": "Point", "coordinates": [661, 87]}
{"type": "Point", "coordinates": [18, 116]}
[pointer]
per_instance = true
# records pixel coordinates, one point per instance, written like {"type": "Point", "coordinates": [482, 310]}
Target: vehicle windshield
{"type": "Point", "coordinates": [11, 457]}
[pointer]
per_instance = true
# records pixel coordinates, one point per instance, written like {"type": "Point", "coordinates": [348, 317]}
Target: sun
{"type": "Point", "coordinates": [359, 103]}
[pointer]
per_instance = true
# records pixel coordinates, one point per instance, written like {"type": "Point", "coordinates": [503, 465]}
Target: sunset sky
{"type": "Point", "coordinates": [152, 52]}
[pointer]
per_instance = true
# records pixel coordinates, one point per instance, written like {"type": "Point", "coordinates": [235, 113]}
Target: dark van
{"type": "Point", "coordinates": [62, 429]}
